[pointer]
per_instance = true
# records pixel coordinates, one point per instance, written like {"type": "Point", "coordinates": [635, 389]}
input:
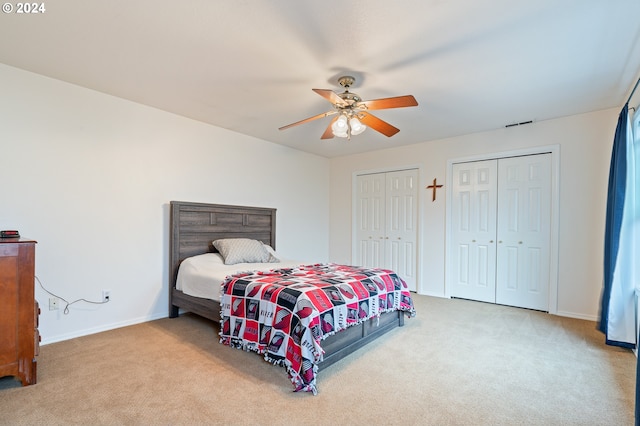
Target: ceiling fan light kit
{"type": "Point", "coordinates": [345, 127]}
{"type": "Point", "coordinates": [356, 126]}
{"type": "Point", "coordinates": [340, 126]}
{"type": "Point", "coordinates": [353, 116]}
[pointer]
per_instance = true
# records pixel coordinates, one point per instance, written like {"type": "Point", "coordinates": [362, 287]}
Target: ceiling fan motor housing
{"type": "Point", "coordinates": [351, 98]}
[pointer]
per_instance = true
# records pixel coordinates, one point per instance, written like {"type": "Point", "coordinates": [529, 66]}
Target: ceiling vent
{"type": "Point", "coordinates": [522, 123]}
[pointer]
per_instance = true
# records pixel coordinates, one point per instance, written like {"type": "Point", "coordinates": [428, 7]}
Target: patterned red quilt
{"type": "Point", "coordinates": [286, 313]}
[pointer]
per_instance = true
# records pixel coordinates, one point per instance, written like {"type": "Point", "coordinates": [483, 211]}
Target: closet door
{"type": "Point", "coordinates": [386, 223]}
{"type": "Point", "coordinates": [401, 224]}
{"type": "Point", "coordinates": [370, 220]}
{"type": "Point", "coordinates": [501, 231]}
{"type": "Point", "coordinates": [524, 231]}
{"type": "Point", "coordinates": [473, 226]}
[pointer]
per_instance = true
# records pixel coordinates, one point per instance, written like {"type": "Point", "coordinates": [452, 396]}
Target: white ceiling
{"type": "Point", "coordinates": [249, 65]}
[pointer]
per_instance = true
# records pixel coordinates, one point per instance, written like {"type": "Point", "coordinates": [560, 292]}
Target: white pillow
{"type": "Point", "coordinates": [273, 257]}
{"type": "Point", "coordinates": [242, 250]}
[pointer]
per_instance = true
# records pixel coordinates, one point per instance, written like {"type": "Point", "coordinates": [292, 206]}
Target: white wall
{"type": "Point", "coordinates": [585, 150]}
{"type": "Point", "coordinates": [90, 176]}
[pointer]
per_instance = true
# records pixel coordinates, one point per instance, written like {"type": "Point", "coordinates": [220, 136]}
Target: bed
{"type": "Point", "coordinates": [193, 228]}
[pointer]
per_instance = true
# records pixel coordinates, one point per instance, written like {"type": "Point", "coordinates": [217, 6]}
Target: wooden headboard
{"type": "Point", "coordinates": [194, 226]}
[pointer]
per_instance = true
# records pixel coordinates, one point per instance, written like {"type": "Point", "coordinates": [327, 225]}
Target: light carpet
{"type": "Point", "coordinates": [457, 363]}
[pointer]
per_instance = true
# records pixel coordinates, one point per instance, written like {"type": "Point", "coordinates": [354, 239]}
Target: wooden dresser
{"type": "Point", "coordinates": [19, 338]}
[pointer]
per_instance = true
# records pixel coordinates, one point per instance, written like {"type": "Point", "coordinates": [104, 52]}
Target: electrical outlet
{"type": "Point", "coordinates": [53, 303]}
{"type": "Point", "coordinates": [106, 296]}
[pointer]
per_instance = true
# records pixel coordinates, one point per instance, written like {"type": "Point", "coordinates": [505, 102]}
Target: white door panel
{"type": "Point", "coordinates": [386, 228]}
{"type": "Point", "coordinates": [370, 220]}
{"type": "Point", "coordinates": [473, 230]}
{"type": "Point", "coordinates": [401, 226]}
{"type": "Point", "coordinates": [524, 231]}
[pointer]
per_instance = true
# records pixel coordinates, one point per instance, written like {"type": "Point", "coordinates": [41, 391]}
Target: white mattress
{"type": "Point", "coordinates": [202, 275]}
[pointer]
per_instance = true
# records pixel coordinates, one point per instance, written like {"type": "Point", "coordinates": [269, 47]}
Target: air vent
{"type": "Point", "coordinates": [522, 123]}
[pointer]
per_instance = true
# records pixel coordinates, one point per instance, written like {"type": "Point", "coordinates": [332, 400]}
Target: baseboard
{"type": "Point", "coordinates": [577, 316]}
{"type": "Point", "coordinates": [558, 313]}
{"type": "Point", "coordinates": [100, 329]}
{"type": "Point", "coordinates": [431, 294]}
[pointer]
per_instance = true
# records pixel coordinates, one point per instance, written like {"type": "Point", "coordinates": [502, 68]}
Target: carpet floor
{"type": "Point", "coordinates": [457, 363]}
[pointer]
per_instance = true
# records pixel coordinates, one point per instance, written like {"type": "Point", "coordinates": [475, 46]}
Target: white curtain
{"type": "Point", "coordinates": [634, 182]}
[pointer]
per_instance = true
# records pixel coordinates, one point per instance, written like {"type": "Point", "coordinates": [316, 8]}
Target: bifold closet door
{"type": "Point", "coordinates": [370, 220]}
{"type": "Point", "coordinates": [402, 224]}
{"type": "Point", "coordinates": [524, 231]}
{"type": "Point", "coordinates": [473, 230]}
{"type": "Point", "coordinates": [386, 223]}
{"type": "Point", "coordinates": [501, 231]}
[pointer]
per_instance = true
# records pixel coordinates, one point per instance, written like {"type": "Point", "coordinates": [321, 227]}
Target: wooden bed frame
{"type": "Point", "coordinates": [194, 226]}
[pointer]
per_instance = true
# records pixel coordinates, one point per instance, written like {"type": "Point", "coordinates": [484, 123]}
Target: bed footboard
{"type": "Point", "coordinates": [353, 338]}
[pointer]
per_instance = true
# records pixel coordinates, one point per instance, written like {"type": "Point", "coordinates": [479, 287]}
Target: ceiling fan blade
{"type": "Point", "coordinates": [328, 133]}
{"type": "Point", "coordinates": [331, 96]}
{"type": "Point", "coordinates": [386, 103]}
{"type": "Point", "coordinates": [376, 124]}
{"type": "Point", "coordinates": [306, 120]}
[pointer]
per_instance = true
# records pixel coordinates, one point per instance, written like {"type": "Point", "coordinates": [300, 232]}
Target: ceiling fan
{"type": "Point", "coordinates": [353, 114]}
